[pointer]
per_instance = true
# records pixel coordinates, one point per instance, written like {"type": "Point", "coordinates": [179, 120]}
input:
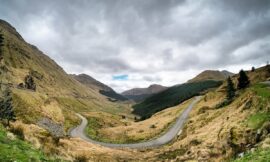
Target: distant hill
{"type": "Point", "coordinates": [95, 84]}
{"type": "Point", "coordinates": [171, 97]}
{"type": "Point", "coordinates": [211, 75]}
{"type": "Point", "coordinates": [139, 94]}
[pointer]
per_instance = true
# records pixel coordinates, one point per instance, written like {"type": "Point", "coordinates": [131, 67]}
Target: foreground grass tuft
{"type": "Point", "coordinates": [257, 120]}
{"type": "Point", "coordinates": [262, 90]}
{"type": "Point", "coordinates": [258, 156]}
{"type": "Point", "coordinates": [18, 150]}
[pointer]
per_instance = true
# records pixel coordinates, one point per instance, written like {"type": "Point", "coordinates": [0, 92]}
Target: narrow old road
{"type": "Point", "coordinates": [164, 139]}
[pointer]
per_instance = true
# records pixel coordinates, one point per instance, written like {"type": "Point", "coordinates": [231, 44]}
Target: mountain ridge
{"type": "Point", "coordinates": [139, 94]}
{"type": "Point", "coordinates": [101, 87]}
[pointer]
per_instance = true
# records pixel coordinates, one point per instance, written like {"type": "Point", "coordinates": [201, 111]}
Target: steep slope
{"type": "Point", "coordinates": [57, 95]}
{"type": "Point", "coordinates": [95, 84]}
{"type": "Point", "coordinates": [139, 94]}
{"type": "Point", "coordinates": [171, 97]}
{"type": "Point", "coordinates": [211, 75]}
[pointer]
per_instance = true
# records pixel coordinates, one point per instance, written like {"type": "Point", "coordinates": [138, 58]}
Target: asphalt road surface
{"type": "Point", "coordinates": [174, 131]}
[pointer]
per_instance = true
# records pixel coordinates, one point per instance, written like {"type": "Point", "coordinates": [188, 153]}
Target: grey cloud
{"type": "Point", "coordinates": [93, 34]}
{"type": "Point", "coordinates": [244, 7]}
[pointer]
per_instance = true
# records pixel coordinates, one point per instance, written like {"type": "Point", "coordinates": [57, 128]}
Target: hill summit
{"type": "Point", "coordinates": [211, 75]}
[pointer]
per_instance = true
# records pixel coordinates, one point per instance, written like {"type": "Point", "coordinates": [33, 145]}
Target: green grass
{"type": "Point", "coordinates": [18, 150]}
{"type": "Point", "coordinates": [256, 121]}
{"type": "Point", "coordinates": [262, 90]}
{"type": "Point", "coordinates": [261, 155]}
{"type": "Point", "coordinates": [92, 128]}
{"type": "Point", "coordinates": [73, 104]}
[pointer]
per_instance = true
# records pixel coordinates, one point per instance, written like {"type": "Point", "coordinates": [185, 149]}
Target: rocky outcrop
{"type": "Point", "coordinates": [56, 130]}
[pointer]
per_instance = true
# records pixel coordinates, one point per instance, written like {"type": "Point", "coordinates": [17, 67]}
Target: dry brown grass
{"type": "Point", "coordinates": [207, 136]}
{"type": "Point", "coordinates": [220, 132]}
{"type": "Point", "coordinates": [116, 129]}
{"type": "Point", "coordinates": [204, 138]}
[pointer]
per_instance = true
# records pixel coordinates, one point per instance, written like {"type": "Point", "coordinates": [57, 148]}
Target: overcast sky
{"type": "Point", "coordinates": [135, 43]}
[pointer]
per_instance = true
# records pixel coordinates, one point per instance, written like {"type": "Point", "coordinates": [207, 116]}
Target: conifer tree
{"type": "Point", "coordinates": [1, 44]}
{"type": "Point", "coordinates": [243, 80]}
{"type": "Point", "coordinates": [6, 108]}
{"type": "Point", "coordinates": [230, 89]}
{"type": "Point", "coordinates": [29, 82]}
{"type": "Point", "coordinates": [1, 39]}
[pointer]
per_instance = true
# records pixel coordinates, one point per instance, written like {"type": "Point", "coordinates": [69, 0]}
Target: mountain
{"type": "Point", "coordinates": [211, 75]}
{"type": "Point", "coordinates": [139, 94]}
{"type": "Point", "coordinates": [95, 84]}
{"type": "Point", "coordinates": [41, 88]}
{"type": "Point", "coordinates": [171, 97]}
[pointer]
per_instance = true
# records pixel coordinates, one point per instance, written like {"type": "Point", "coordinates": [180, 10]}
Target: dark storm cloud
{"type": "Point", "coordinates": [144, 36]}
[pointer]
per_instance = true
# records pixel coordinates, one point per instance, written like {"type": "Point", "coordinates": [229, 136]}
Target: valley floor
{"type": "Point", "coordinates": [164, 139]}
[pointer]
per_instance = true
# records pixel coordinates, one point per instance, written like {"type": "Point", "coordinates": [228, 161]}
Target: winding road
{"type": "Point", "coordinates": [164, 139]}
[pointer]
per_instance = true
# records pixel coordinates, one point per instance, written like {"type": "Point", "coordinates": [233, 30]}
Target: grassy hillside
{"type": "Point", "coordinates": [212, 134]}
{"type": "Point", "coordinates": [57, 94]}
{"type": "Point", "coordinates": [171, 97]}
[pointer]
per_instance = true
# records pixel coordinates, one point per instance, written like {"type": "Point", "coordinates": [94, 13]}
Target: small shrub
{"type": "Point", "coordinates": [136, 119]}
{"type": "Point", "coordinates": [153, 126]}
{"type": "Point", "coordinates": [203, 109]}
{"type": "Point", "coordinates": [29, 83]}
{"type": "Point", "coordinates": [81, 158]}
{"type": "Point", "coordinates": [56, 140]}
{"type": "Point", "coordinates": [223, 103]}
{"type": "Point", "coordinates": [18, 131]}
{"type": "Point", "coordinates": [195, 142]}
{"type": "Point", "coordinates": [20, 86]}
